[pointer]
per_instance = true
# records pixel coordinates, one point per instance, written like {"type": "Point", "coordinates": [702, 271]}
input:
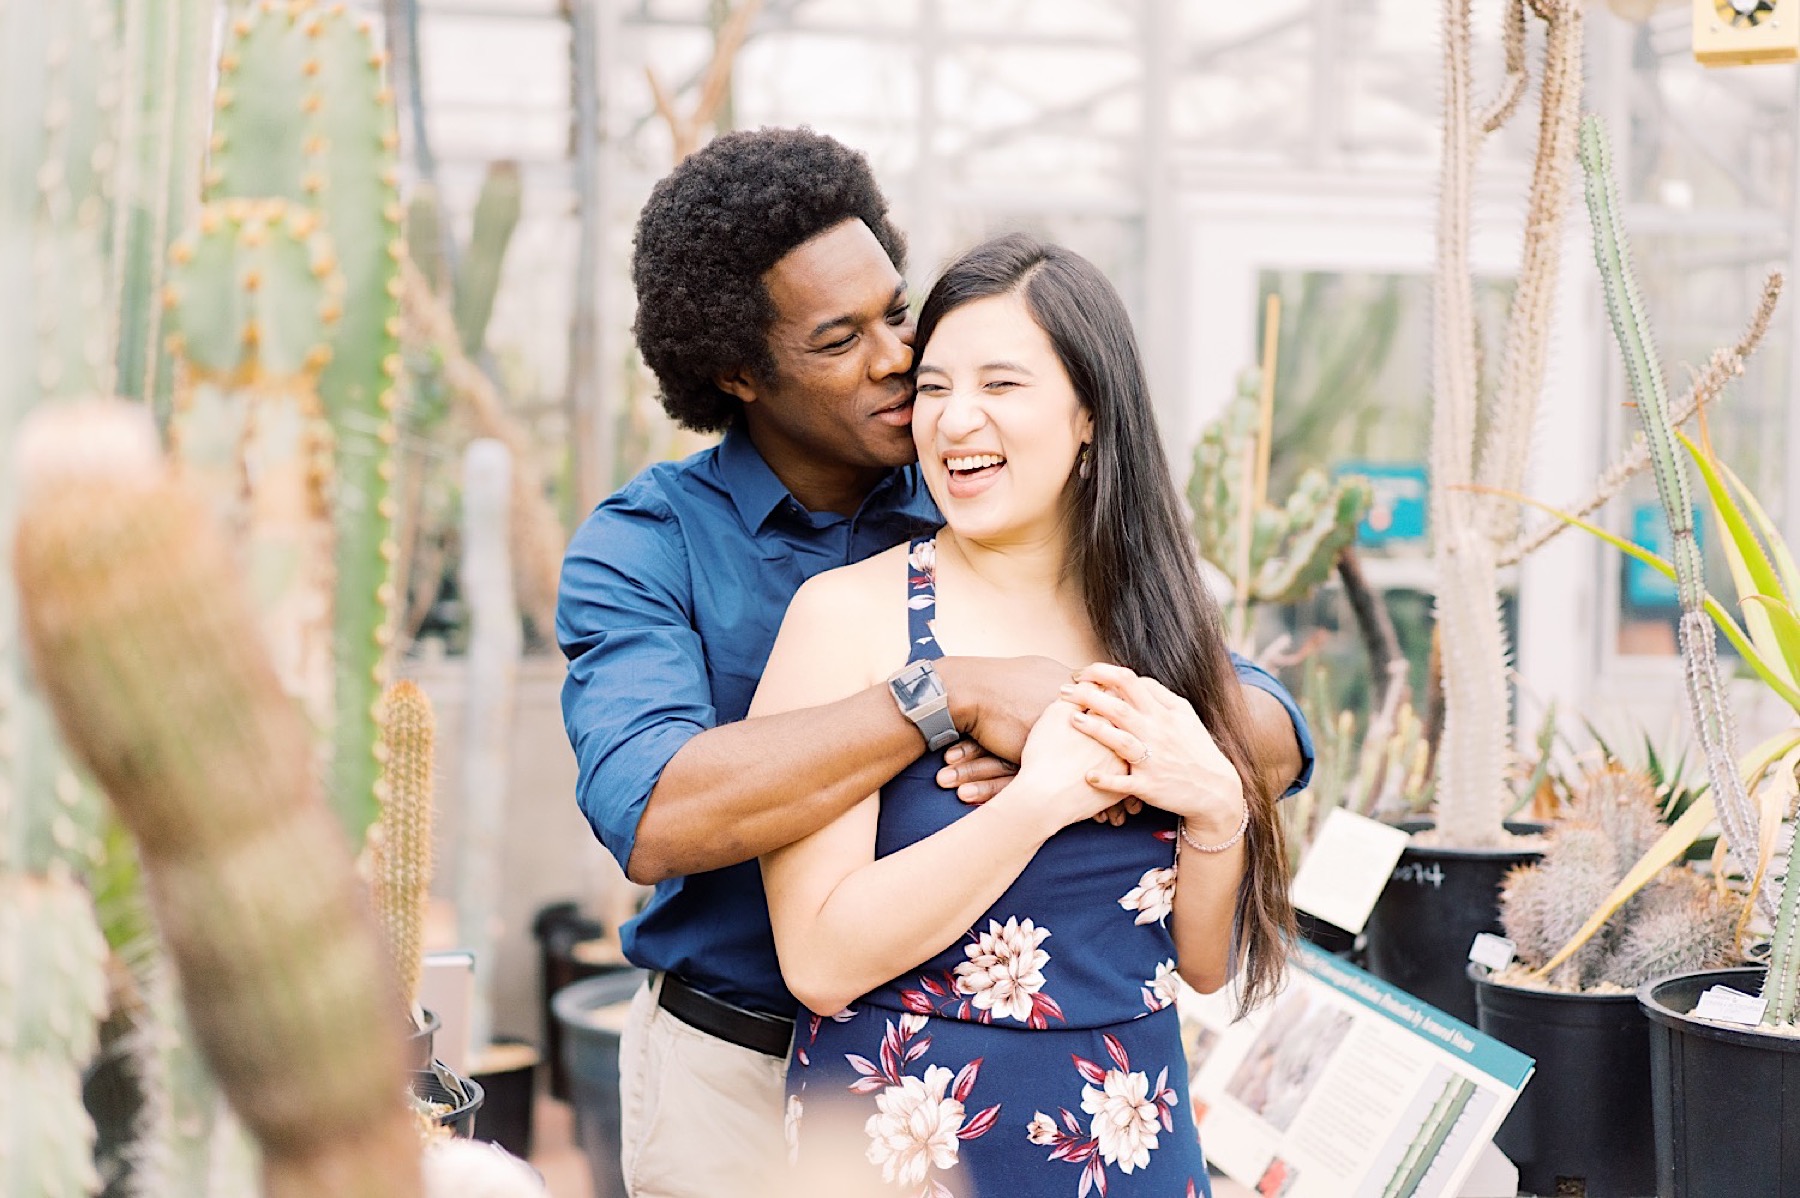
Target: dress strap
{"type": "Point", "coordinates": [921, 599]}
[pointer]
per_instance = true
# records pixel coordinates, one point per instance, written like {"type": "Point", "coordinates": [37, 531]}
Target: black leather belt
{"type": "Point", "coordinates": [768, 1034]}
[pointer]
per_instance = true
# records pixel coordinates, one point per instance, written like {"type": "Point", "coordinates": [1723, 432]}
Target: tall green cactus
{"type": "Point", "coordinates": [303, 114]}
{"type": "Point", "coordinates": [1293, 548]}
{"type": "Point", "coordinates": [59, 106]}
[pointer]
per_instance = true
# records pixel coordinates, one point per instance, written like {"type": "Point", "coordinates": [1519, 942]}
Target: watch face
{"type": "Point", "coordinates": [916, 688]}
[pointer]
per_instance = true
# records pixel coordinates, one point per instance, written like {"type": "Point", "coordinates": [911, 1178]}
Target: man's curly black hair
{"type": "Point", "coordinates": [711, 229]}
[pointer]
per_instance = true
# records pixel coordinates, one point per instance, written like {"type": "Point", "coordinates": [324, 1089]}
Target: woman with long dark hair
{"type": "Point", "coordinates": [994, 985]}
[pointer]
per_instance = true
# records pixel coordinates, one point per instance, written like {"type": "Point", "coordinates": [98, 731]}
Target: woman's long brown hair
{"type": "Point", "coordinates": [1132, 551]}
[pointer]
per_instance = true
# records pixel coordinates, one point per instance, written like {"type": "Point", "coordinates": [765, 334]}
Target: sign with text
{"type": "Point", "coordinates": [1344, 1087]}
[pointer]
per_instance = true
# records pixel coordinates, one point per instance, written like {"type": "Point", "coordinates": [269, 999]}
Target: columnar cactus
{"type": "Point", "coordinates": [254, 295]}
{"type": "Point", "coordinates": [402, 839]}
{"type": "Point", "coordinates": [1467, 527]}
{"type": "Point", "coordinates": [59, 63]}
{"type": "Point", "coordinates": [303, 114]}
{"type": "Point", "coordinates": [149, 655]}
{"type": "Point", "coordinates": [1292, 548]}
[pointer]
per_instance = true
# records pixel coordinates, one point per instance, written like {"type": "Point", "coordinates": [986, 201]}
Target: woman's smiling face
{"type": "Point", "coordinates": [997, 422]}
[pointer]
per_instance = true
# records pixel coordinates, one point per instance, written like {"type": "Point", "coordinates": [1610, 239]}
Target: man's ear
{"type": "Point", "coordinates": [739, 384]}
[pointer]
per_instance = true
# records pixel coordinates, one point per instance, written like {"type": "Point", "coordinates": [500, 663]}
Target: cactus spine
{"type": "Point", "coordinates": [402, 842]}
{"type": "Point", "coordinates": [149, 655]}
{"type": "Point", "coordinates": [303, 114]}
{"type": "Point", "coordinates": [1466, 529]}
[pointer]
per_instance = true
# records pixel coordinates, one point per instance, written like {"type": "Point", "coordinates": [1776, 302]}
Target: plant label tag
{"type": "Point", "coordinates": [1726, 1005]}
{"type": "Point", "coordinates": [1346, 868]}
{"type": "Point", "coordinates": [1495, 952]}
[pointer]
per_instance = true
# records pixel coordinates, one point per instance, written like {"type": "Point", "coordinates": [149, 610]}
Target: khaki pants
{"type": "Point", "coordinates": [700, 1117]}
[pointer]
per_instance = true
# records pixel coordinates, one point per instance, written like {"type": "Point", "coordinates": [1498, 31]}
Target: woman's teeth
{"type": "Point", "coordinates": [973, 462]}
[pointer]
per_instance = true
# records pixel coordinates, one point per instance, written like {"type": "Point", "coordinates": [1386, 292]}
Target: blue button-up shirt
{"type": "Point", "coordinates": [672, 593]}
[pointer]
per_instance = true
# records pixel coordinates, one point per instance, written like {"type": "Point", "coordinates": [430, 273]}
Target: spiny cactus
{"type": "Point", "coordinates": [60, 63]}
{"type": "Point", "coordinates": [1679, 918]}
{"type": "Point", "coordinates": [1466, 449]}
{"type": "Point", "coordinates": [401, 840]}
{"type": "Point", "coordinates": [1292, 548]}
{"type": "Point", "coordinates": [497, 211]}
{"type": "Point", "coordinates": [150, 656]}
{"type": "Point", "coordinates": [1705, 685]}
{"type": "Point", "coordinates": [303, 114]}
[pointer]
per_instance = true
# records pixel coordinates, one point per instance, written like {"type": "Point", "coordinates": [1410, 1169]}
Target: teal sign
{"type": "Point", "coordinates": [1644, 586]}
{"type": "Point", "coordinates": [1397, 515]}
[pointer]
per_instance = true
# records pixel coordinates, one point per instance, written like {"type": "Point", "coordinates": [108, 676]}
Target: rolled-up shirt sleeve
{"type": "Point", "coordinates": [637, 688]}
{"type": "Point", "coordinates": [1251, 674]}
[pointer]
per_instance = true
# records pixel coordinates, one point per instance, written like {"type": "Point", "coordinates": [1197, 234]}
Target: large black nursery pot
{"type": "Point", "coordinates": [1435, 902]}
{"type": "Point", "coordinates": [562, 931]}
{"type": "Point", "coordinates": [1726, 1099]}
{"type": "Point", "coordinates": [592, 1014]}
{"type": "Point", "coordinates": [460, 1097]}
{"type": "Point", "coordinates": [1582, 1124]}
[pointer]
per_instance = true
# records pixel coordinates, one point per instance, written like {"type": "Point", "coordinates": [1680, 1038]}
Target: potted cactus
{"type": "Point", "coordinates": [1586, 1115]}
{"type": "Point", "coordinates": [1445, 888]}
{"type": "Point", "coordinates": [1709, 1139]}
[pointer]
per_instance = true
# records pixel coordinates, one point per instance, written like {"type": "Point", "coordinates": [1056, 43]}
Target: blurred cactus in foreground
{"type": "Point", "coordinates": [149, 654]}
{"type": "Point", "coordinates": [1678, 922]}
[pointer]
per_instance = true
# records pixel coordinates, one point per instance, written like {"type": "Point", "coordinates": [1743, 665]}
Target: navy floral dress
{"type": "Point", "coordinates": [1041, 1055]}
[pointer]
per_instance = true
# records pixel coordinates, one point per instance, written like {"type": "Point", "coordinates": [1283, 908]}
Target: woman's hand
{"type": "Point", "coordinates": [1172, 760]}
{"type": "Point", "coordinates": [1059, 765]}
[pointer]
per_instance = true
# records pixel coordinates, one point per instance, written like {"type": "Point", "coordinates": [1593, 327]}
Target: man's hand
{"type": "Point", "coordinates": [996, 700]}
{"type": "Point", "coordinates": [973, 773]}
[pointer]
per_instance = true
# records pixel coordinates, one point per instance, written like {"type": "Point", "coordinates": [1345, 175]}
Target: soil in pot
{"type": "Point", "coordinates": [1582, 1124]}
{"type": "Point", "coordinates": [1726, 1100]}
{"type": "Point", "coordinates": [453, 1100]}
{"type": "Point", "coordinates": [1435, 903]}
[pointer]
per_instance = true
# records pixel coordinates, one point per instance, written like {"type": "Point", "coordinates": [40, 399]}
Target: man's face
{"type": "Point", "coordinates": [839, 395]}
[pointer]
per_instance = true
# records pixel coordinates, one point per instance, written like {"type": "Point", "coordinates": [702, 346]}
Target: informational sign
{"type": "Point", "coordinates": [1644, 586]}
{"type": "Point", "coordinates": [1397, 515]}
{"type": "Point", "coordinates": [1347, 868]}
{"type": "Point", "coordinates": [1344, 1087]}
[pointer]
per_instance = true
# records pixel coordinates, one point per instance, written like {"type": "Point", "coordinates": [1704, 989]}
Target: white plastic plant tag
{"type": "Point", "coordinates": [1495, 952]}
{"type": "Point", "coordinates": [1346, 868]}
{"type": "Point", "coordinates": [1726, 1005]}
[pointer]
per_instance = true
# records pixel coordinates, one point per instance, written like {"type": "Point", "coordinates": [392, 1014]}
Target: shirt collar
{"type": "Point", "coordinates": [757, 493]}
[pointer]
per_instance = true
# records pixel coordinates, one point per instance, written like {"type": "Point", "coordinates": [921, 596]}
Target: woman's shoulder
{"type": "Point", "coordinates": [873, 583]}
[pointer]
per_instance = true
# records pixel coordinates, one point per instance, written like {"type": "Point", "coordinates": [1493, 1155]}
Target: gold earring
{"type": "Point", "coordinates": [1084, 461]}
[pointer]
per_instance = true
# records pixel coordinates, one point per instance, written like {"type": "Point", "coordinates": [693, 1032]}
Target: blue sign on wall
{"type": "Point", "coordinates": [1397, 515]}
{"type": "Point", "coordinates": [1644, 586]}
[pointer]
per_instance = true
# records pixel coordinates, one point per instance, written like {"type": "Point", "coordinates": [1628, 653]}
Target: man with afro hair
{"type": "Point", "coordinates": [772, 309]}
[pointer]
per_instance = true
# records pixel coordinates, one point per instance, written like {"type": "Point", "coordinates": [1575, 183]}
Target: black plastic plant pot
{"type": "Point", "coordinates": [461, 1096]}
{"type": "Point", "coordinates": [508, 1076]}
{"type": "Point", "coordinates": [592, 1014]}
{"type": "Point", "coordinates": [1434, 904]}
{"type": "Point", "coordinates": [1328, 936]}
{"type": "Point", "coordinates": [1582, 1124]}
{"type": "Point", "coordinates": [420, 1043]}
{"type": "Point", "coordinates": [1726, 1099]}
{"type": "Point", "coordinates": [560, 928]}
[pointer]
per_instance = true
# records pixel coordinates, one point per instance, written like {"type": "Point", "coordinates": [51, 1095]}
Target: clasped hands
{"type": "Point", "coordinates": [1139, 743]}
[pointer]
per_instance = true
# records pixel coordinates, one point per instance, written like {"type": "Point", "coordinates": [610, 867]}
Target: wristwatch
{"type": "Point", "coordinates": [920, 693]}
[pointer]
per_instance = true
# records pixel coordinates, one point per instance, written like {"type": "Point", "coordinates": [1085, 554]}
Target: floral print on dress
{"type": "Point", "coordinates": [919, 1122]}
{"type": "Point", "coordinates": [1127, 1116]}
{"type": "Point", "coordinates": [1160, 991]}
{"type": "Point", "coordinates": [1002, 978]}
{"type": "Point", "coordinates": [813, 1023]}
{"type": "Point", "coordinates": [1153, 897]}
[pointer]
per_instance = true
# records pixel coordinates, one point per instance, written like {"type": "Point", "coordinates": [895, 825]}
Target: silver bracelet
{"type": "Point", "coordinates": [1243, 826]}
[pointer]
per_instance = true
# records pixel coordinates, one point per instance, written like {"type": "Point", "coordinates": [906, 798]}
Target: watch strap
{"type": "Point", "coordinates": [919, 692]}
